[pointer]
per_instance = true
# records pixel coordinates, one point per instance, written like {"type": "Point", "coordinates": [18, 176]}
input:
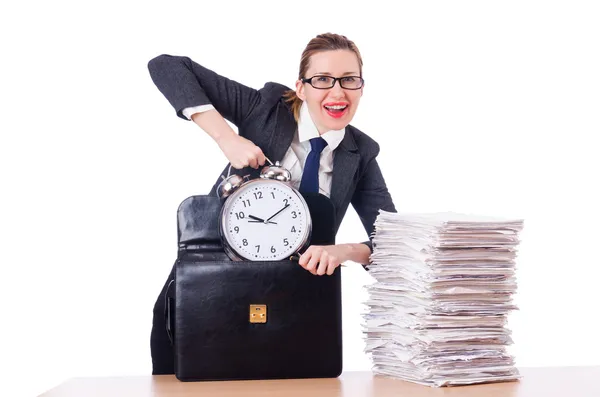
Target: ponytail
{"type": "Point", "coordinates": [292, 99]}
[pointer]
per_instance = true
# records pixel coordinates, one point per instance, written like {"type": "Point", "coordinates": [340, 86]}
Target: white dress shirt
{"type": "Point", "coordinates": [295, 157]}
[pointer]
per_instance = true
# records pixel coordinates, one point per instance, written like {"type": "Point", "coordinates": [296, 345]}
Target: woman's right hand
{"type": "Point", "coordinates": [241, 152]}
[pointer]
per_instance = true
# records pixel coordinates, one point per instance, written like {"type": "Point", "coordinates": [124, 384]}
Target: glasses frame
{"type": "Point", "coordinates": [335, 79]}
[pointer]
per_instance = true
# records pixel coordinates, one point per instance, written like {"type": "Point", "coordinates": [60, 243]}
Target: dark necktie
{"type": "Point", "coordinates": [310, 175]}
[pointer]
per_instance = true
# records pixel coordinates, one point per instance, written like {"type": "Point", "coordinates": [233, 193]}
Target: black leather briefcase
{"type": "Point", "coordinates": [232, 320]}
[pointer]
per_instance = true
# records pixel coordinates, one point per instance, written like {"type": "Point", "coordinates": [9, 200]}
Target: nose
{"type": "Point", "coordinates": [337, 89]}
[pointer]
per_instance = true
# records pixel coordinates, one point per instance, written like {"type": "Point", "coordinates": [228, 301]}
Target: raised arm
{"type": "Point", "coordinates": [186, 84]}
{"type": "Point", "coordinates": [207, 98]}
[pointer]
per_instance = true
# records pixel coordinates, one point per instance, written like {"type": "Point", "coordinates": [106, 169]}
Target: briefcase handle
{"type": "Point", "coordinates": [169, 311]}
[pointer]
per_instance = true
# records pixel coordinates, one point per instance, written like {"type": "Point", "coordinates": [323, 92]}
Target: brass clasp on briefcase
{"type": "Point", "coordinates": [258, 313]}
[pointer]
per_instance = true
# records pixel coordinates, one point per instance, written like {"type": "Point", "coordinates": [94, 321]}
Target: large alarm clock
{"type": "Point", "coordinates": [263, 219]}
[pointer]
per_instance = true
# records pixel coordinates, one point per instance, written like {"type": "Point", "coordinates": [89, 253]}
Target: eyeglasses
{"type": "Point", "coordinates": [326, 82]}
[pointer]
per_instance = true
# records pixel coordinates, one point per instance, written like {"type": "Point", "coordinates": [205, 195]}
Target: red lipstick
{"type": "Point", "coordinates": [336, 113]}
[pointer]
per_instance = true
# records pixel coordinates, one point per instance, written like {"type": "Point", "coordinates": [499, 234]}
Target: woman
{"type": "Point", "coordinates": [283, 122]}
{"type": "Point", "coordinates": [307, 129]}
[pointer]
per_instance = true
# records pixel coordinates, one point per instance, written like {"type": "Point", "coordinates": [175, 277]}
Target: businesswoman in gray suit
{"type": "Point", "coordinates": [307, 129]}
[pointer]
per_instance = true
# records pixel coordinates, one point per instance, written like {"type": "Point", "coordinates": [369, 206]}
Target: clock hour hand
{"type": "Point", "coordinates": [255, 218]}
{"type": "Point", "coordinates": [258, 220]}
{"type": "Point", "coordinates": [273, 216]}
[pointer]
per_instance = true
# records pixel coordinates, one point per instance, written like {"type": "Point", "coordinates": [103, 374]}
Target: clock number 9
{"type": "Point", "coordinates": [237, 229]}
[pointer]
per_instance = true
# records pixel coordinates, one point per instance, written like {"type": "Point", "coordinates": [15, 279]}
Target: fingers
{"type": "Point", "coordinates": [238, 165]}
{"type": "Point", "coordinates": [252, 162]}
{"type": "Point", "coordinates": [260, 156]}
{"type": "Point", "coordinates": [246, 154]}
{"type": "Point", "coordinates": [323, 263]}
{"type": "Point", "coordinates": [334, 262]}
{"type": "Point", "coordinates": [318, 261]}
{"type": "Point", "coordinates": [313, 262]}
{"type": "Point", "coordinates": [327, 264]}
{"type": "Point", "coordinates": [310, 258]}
{"type": "Point", "coordinates": [256, 157]}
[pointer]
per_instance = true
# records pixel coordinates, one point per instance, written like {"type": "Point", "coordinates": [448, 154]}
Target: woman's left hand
{"type": "Point", "coordinates": [321, 259]}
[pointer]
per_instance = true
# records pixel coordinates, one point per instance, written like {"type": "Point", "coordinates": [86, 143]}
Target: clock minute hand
{"type": "Point", "coordinates": [273, 216]}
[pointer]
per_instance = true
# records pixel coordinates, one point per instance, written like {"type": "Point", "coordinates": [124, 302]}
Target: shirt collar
{"type": "Point", "coordinates": [307, 130]}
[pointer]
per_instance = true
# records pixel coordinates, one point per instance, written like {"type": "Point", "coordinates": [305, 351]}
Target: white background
{"type": "Point", "coordinates": [482, 107]}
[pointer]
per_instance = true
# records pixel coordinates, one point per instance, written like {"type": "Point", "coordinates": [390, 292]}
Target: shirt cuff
{"type": "Point", "coordinates": [188, 112]}
{"type": "Point", "coordinates": [369, 244]}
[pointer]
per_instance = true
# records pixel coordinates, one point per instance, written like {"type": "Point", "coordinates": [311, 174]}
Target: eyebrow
{"type": "Point", "coordinates": [345, 74]}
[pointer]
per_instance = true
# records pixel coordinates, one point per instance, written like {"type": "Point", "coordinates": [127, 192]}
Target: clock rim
{"type": "Point", "coordinates": [232, 252]}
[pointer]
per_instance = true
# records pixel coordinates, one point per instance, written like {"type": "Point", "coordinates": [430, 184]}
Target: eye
{"type": "Point", "coordinates": [323, 79]}
{"type": "Point", "coordinates": [350, 79]}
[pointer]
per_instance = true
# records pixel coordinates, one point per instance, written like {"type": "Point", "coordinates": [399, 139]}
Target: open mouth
{"type": "Point", "coordinates": [336, 111]}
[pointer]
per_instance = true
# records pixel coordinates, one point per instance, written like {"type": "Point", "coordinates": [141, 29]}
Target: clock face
{"type": "Point", "coordinates": [265, 220]}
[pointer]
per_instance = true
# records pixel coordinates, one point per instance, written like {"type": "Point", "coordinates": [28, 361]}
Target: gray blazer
{"type": "Point", "coordinates": [264, 118]}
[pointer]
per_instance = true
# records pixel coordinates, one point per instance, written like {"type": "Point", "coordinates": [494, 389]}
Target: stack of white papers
{"type": "Point", "coordinates": [437, 311]}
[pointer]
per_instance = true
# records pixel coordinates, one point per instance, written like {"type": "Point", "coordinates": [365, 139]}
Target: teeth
{"type": "Point", "coordinates": [336, 107]}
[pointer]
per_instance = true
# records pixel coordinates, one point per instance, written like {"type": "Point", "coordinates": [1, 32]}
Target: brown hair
{"type": "Point", "coordinates": [323, 42]}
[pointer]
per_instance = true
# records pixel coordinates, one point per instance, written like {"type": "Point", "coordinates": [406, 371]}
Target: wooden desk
{"type": "Point", "coordinates": [536, 382]}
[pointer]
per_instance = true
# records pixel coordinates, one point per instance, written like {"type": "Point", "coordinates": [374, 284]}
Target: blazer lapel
{"type": "Point", "coordinates": [345, 163]}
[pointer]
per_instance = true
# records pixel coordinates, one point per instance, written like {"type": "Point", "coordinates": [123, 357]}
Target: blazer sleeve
{"type": "Point", "coordinates": [186, 84]}
{"type": "Point", "coordinates": [370, 196]}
